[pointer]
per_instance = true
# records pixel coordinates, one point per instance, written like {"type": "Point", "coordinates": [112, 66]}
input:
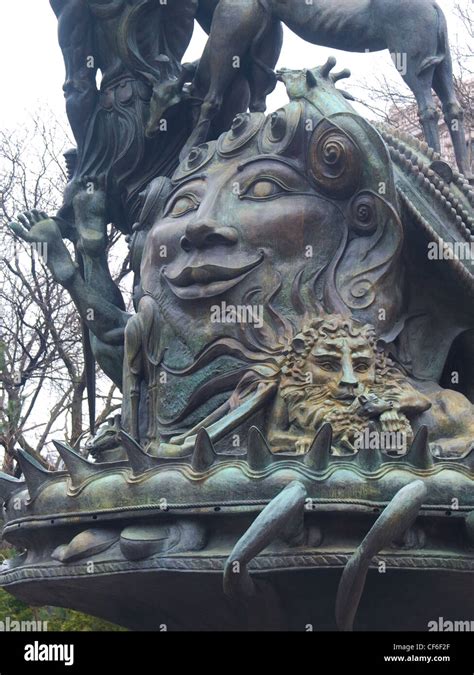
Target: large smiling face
{"type": "Point", "coordinates": [242, 224]}
{"type": "Point", "coordinates": [276, 211]}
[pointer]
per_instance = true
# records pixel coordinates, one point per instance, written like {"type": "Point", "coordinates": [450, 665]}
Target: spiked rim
{"type": "Point", "coordinates": [319, 453]}
{"type": "Point", "coordinates": [36, 476]}
{"type": "Point", "coordinates": [204, 455]}
{"type": "Point", "coordinates": [259, 455]}
{"type": "Point", "coordinates": [9, 485]}
{"type": "Point", "coordinates": [138, 459]}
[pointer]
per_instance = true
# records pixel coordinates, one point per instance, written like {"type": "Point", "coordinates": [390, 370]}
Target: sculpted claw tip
{"type": "Point", "coordinates": [137, 458]}
{"type": "Point", "coordinates": [35, 475]}
{"type": "Point", "coordinates": [259, 455]}
{"type": "Point", "coordinates": [78, 468]}
{"type": "Point", "coordinates": [319, 453]}
{"type": "Point", "coordinates": [204, 455]}
{"type": "Point", "coordinates": [419, 455]}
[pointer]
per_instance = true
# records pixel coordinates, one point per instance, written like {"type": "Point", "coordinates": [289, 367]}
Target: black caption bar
{"type": "Point", "coordinates": [23, 653]}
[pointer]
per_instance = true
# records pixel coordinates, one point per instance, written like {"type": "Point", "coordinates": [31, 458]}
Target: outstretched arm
{"type": "Point", "coordinates": [105, 320]}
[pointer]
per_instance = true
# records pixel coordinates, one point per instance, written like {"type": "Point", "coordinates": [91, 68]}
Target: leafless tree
{"type": "Point", "coordinates": [42, 376]}
{"type": "Point", "coordinates": [390, 101]}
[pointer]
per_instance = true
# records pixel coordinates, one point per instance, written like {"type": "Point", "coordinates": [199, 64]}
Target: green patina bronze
{"type": "Point", "coordinates": [287, 411]}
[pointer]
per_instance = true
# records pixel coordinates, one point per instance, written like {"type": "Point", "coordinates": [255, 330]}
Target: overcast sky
{"type": "Point", "coordinates": [32, 70]}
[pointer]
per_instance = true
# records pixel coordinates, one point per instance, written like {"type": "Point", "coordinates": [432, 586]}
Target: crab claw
{"type": "Point", "coordinates": [282, 517]}
{"type": "Point", "coordinates": [390, 525]}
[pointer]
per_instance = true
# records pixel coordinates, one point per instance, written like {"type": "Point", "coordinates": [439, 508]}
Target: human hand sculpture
{"type": "Point", "coordinates": [36, 227]}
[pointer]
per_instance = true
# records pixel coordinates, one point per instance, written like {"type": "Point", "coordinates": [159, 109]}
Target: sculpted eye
{"type": "Point", "coordinates": [182, 205]}
{"type": "Point", "coordinates": [265, 188]}
{"type": "Point", "coordinates": [328, 365]}
{"type": "Point", "coordinates": [362, 367]}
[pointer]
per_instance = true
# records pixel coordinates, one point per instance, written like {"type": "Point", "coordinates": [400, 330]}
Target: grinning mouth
{"type": "Point", "coordinates": [208, 280]}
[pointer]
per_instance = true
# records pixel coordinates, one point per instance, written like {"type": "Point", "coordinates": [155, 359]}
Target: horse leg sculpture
{"type": "Point", "coordinates": [282, 517]}
{"type": "Point", "coordinates": [429, 66]}
{"type": "Point", "coordinates": [416, 63]}
{"type": "Point", "coordinates": [223, 57]}
{"type": "Point", "coordinates": [264, 54]}
{"type": "Point", "coordinates": [392, 523]}
{"type": "Point", "coordinates": [443, 84]}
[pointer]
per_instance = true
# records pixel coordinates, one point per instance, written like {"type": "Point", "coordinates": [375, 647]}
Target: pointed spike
{"type": "Point", "coordinates": [259, 455]}
{"type": "Point", "coordinates": [369, 459]}
{"type": "Point", "coordinates": [78, 467]}
{"type": "Point", "coordinates": [137, 458]}
{"type": "Point", "coordinates": [9, 485]}
{"type": "Point", "coordinates": [318, 455]}
{"type": "Point", "coordinates": [341, 75]}
{"type": "Point", "coordinates": [311, 79]}
{"type": "Point", "coordinates": [419, 455]}
{"type": "Point", "coordinates": [35, 475]}
{"type": "Point", "coordinates": [204, 454]}
{"type": "Point", "coordinates": [328, 66]}
{"type": "Point", "coordinates": [347, 95]}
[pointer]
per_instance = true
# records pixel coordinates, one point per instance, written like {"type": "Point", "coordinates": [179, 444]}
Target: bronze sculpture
{"type": "Point", "coordinates": [414, 32]}
{"type": "Point", "coordinates": [281, 327]}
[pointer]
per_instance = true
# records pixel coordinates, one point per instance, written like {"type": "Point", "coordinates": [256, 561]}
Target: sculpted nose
{"type": "Point", "coordinates": [349, 380]}
{"type": "Point", "coordinates": [206, 234]}
{"type": "Point", "coordinates": [348, 377]}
